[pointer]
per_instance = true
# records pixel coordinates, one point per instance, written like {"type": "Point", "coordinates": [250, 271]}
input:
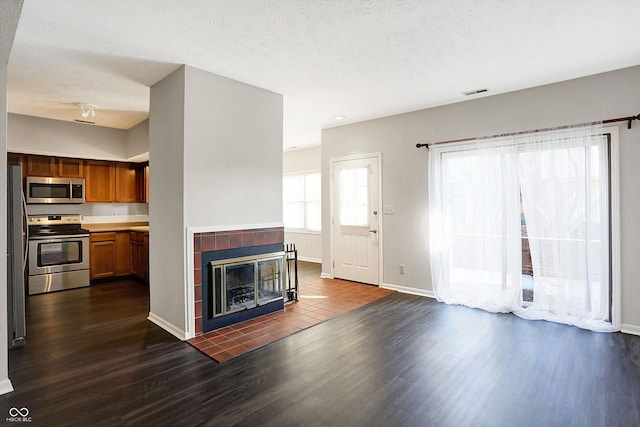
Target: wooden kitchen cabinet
{"type": "Point", "coordinates": [139, 255]}
{"type": "Point", "coordinates": [99, 181]}
{"type": "Point", "coordinates": [41, 166]}
{"type": "Point", "coordinates": [108, 182]}
{"type": "Point", "coordinates": [143, 183]}
{"type": "Point", "coordinates": [126, 182]}
{"type": "Point", "coordinates": [102, 255]}
{"type": "Point", "coordinates": [143, 257]}
{"type": "Point", "coordinates": [47, 166]}
{"type": "Point", "coordinates": [133, 253]}
{"type": "Point", "coordinates": [13, 158]}
{"type": "Point", "coordinates": [70, 168]}
{"type": "Point", "coordinates": [119, 254]}
{"type": "Point", "coordinates": [122, 254]}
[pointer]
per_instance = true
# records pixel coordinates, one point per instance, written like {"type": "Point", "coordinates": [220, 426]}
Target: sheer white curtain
{"type": "Point", "coordinates": [550, 189]}
{"type": "Point", "coordinates": [564, 182]}
{"type": "Point", "coordinates": [475, 252]}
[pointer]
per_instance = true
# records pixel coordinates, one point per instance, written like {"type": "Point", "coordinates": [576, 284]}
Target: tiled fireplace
{"type": "Point", "coordinates": [237, 275]}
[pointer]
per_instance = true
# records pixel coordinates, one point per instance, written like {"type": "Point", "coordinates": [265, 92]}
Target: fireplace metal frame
{"type": "Point", "coordinates": [230, 262]}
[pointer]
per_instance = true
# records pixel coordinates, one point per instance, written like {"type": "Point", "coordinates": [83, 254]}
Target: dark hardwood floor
{"type": "Point", "coordinates": [92, 359]}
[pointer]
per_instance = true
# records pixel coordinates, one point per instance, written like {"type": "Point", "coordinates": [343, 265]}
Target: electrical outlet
{"type": "Point", "coordinates": [401, 268]}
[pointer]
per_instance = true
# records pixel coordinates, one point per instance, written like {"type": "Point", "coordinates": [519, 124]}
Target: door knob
{"type": "Point", "coordinates": [373, 231]}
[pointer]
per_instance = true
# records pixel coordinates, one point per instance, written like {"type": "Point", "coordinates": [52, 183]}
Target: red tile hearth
{"type": "Point", "coordinates": [320, 300]}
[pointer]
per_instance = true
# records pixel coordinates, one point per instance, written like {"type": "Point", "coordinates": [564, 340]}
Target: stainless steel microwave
{"type": "Point", "coordinates": [54, 190]}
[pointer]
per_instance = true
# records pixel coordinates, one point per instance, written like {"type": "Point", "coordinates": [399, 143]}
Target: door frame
{"type": "Point", "coordinates": [377, 157]}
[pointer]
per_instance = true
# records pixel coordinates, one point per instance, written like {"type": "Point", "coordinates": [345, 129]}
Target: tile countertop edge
{"type": "Point", "coordinates": [117, 226]}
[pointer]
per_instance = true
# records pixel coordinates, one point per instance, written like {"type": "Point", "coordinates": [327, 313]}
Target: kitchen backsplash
{"type": "Point", "coordinates": [97, 212]}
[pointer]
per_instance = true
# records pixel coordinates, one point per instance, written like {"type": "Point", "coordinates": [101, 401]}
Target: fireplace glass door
{"type": "Point", "coordinates": [244, 283]}
{"type": "Point", "coordinates": [269, 280]}
{"type": "Point", "coordinates": [240, 287]}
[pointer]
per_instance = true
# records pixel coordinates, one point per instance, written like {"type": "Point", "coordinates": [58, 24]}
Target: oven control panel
{"type": "Point", "coordinates": [55, 219]}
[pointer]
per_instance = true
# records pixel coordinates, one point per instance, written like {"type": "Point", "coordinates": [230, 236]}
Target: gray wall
{"type": "Point", "coordinates": [404, 168]}
{"type": "Point", "coordinates": [35, 135]}
{"type": "Point", "coordinates": [233, 152]}
{"type": "Point", "coordinates": [166, 207]}
{"type": "Point", "coordinates": [138, 141]}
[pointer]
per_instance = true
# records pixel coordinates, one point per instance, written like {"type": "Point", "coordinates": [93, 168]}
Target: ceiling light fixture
{"type": "Point", "coordinates": [338, 117]}
{"type": "Point", "coordinates": [88, 110]}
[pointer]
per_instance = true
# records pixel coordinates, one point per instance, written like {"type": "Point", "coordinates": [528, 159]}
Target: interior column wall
{"type": "Point", "coordinates": [216, 162]}
{"type": "Point", "coordinates": [166, 208]}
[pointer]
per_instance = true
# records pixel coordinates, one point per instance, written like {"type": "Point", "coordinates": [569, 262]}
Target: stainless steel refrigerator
{"type": "Point", "coordinates": [17, 238]}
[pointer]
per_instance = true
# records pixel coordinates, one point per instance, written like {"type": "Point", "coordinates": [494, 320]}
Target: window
{"type": "Point", "coordinates": [537, 240]}
{"type": "Point", "coordinates": [354, 197]}
{"type": "Point", "coordinates": [301, 195]}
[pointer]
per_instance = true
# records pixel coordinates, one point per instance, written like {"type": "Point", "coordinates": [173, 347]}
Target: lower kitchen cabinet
{"type": "Point", "coordinates": [102, 255]}
{"type": "Point", "coordinates": [122, 254]}
{"type": "Point", "coordinates": [139, 255]}
{"type": "Point", "coordinates": [119, 254]}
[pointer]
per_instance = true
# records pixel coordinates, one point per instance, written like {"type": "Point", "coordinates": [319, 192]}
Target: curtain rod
{"type": "Point", "coordinates": [619, 119]}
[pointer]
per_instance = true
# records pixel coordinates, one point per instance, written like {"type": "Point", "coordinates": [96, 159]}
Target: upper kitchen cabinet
{"type": "Point", "coordinates": [48, 166]}
{"type": "Point", "coordinates": [13, 158]}
{"type": "Point", "coordinates": [99, 181]}
{"type": "Point", "coordinates": [70, 168]}
{"type": "Point", "coordinates": [143, 183]}
{"type": "Point", "coordinates": [108, 182]}
{"type": "Point", "coordinates": [126, 182]}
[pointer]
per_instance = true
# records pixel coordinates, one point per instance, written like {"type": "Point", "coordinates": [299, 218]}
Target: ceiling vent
{"type": "Point", "coordinates": [84, 122]}
{"type": "Point", "coordinates": [475, 92]}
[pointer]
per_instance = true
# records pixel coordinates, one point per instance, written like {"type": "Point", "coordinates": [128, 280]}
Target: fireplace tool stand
{"type": "Point", "coordinates": [291, 256]}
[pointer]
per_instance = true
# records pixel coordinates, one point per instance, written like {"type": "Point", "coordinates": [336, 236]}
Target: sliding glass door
{"type": "Point", "coordinates": [521, 225]}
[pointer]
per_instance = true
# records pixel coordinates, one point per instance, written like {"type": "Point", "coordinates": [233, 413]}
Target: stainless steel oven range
{"type": "Point", "coordinates": [58, 253]}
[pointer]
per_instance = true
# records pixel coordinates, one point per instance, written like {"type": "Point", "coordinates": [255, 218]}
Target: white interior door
{"type": "Point", "coordinates": [356, 220]}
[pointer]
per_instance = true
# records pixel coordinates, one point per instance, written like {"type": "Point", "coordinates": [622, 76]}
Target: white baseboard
{"type": "Point", "coordinates": [326, 275]}
{"type": "Point", "coordinates": [309, 259]}
{"type": "Point", "coordinates": [169, 327]}
{"type": "Point", "coordinates": [630, 329]}
{"type": "Point", "coordinates": [6, 386]}
{"type": "Point", "coordinates": [407, 290]}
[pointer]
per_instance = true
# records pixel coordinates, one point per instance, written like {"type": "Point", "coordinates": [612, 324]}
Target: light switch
{"type": "Point", "coordinates": [387, 209]}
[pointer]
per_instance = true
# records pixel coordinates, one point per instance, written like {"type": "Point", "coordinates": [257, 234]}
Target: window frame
{"type": "Point", "coordinates": [306, 202]}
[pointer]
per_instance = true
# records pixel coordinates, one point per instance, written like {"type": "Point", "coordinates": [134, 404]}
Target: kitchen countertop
{"type": "Point", "coordinates": [142, 227]}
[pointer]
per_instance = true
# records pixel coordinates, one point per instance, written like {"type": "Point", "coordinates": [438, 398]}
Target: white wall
{"type": "Point", "coordinates": [166, 213]}
{"type": "Point", "coordinates": [233, 152]}
{"type": "Point", "coordinates": [10, 13]}
{"type": "Point", "coordinates": [218, 146]}
{"type": "Point", "coordinates": [404, 167]}
{"type": "Point", "coordinates": [35, 135]}
{"type": "Point", "coordinates": [138, 142]}
{"type": "Point", "coordinates": [309, 244]}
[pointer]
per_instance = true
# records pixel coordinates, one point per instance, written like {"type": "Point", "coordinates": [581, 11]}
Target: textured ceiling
{"type": "Point", "coordinates": [359, 59]}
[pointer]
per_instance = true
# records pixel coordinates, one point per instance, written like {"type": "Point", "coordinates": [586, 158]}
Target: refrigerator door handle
{"type": "Point", "coordinates": [25, 226]}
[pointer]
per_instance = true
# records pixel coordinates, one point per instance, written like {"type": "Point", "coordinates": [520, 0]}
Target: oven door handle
{"type": "Point", "coordinates": [58, 238]}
